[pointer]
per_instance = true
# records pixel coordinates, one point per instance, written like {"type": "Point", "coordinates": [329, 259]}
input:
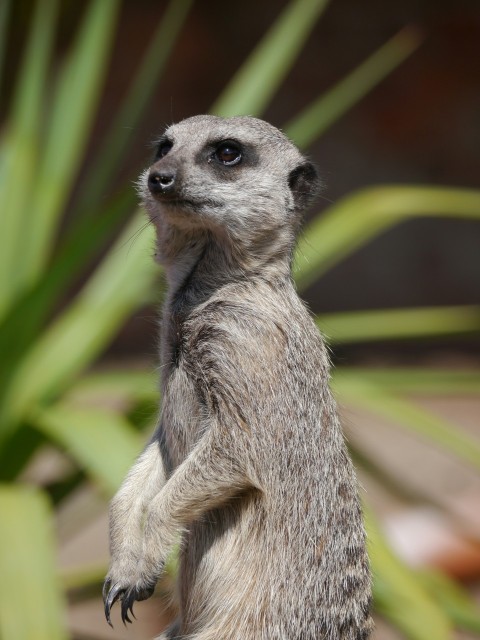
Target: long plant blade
{"type": "Point", "coordinates": [453, 598]}
{"type": "Point", "coordinates": [414, 380]}
{"type": "Point", "coordinates": [399, 595]}
{"type": "Point", "coordinates": [421, 422]}
{"type": "Point", "coordinates": [71, 118]}
{"type": "Point", "coordinates": [20, 152]}
{"type": "Point", "coordinates": [126, 385]}
{"type": "Point", "coordinates": [399, 324]}
{"type": "Point", "coordinates": [120, 285]}
{"type": "Point", "coordinates": [254, 84]}
{"type": "Point", "coordinates": [126, 119]}
{"type": "Point", "coordinates": [30, 596]}
{"type": "Point", "coordinates": [27, 317]}
{"type": "Point", "coordinates": [87, 234]}
{"type": "Point", "coordinates": [354, 220]}
{"type": "Point", "coordinates": [329, 107]}
{"type": "Point", "coordinates": [102, 442]}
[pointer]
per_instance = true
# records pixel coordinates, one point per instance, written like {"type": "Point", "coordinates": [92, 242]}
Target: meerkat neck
{"type": "Point", "coordinates": [181, 271]}
{"type": "Point", "coordinates": [199, 263]}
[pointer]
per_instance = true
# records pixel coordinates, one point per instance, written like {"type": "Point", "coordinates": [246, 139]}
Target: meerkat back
{"type": "Point", "coordinates": [248, 466]}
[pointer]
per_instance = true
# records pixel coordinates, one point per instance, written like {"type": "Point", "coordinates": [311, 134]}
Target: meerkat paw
{"type": "Point", "coordinates": [139, 587]}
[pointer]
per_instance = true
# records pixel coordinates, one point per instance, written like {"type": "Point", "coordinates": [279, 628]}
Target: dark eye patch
{"type": "Point", "coordinates": [163, 148]}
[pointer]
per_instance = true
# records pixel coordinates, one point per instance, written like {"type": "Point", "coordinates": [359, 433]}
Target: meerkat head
{"type": "Point", "coordinates": [238, 177]}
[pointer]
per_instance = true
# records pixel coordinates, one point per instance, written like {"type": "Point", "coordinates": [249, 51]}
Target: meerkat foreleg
{"type": "Point", "coordinates": [205, 480]}
{"type": "Point", "coordinates": [127, 514]}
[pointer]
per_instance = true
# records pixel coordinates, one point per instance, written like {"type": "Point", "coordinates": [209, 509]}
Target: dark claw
{"type": "Point", "coordinates": [106, 588]}
{"type": "Point", "coordinates": [128, 596]}
{"type": "Point", "coordinates": [127, 604]}
{"type": "Point", "coordinates": [113, 595]}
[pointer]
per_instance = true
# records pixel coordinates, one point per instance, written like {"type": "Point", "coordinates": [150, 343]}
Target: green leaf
{"type": "Point", "coordinates": [126, 119]}
{"type": "Point", "coordinates": [102, 442]}
{"type": "Point", "coordinates": [27, 317]}
{"type": "Point", "coordinates": [129, 385]}
{"type": "Point", "coordinates": [20, 151]}
{"type": "Point", "coordinates": [399, 595]}
{"type": "Point", "coordinates": [120, 284]}
{"type": "Point", "coordinates": [254, 84]}
{"type": "Point", "coordinates": [453, 598]}
{"type": "Point", "coordinates": [408, 415]}
{"type": "Point", "coordinates": [398, 324]}
{"type": "Point", "coordinates": [32, 604]}
{"type": "Point", "coordinates": [71, 118]}
{"type": "Point", "coordinates": [355, 219]}
{"type": "Point", "coordinates": [414, 380]}
{"type": "Point", "coordinates": [88, 232]}
{"type": "Point", "coordinates": [329, 107]}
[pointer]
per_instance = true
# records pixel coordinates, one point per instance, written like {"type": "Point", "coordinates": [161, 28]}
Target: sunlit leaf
{"type": "Point", "coordinates": [399, 596]}
{"type": "Point", "coordinates": [254, 84]}
{"type": "Point", "coordinates": [119, 286]}
{"type": "Point", "coordinates": [417, 380]}
{"type": "Point", "coordinates": [23, 323]}
{"type": "Point", "coordinates": [454, 599]}
{"type": "Point", "coordinates": [330, 106]}
{"type": "Point", "coordinates": [409, 415]}
{"type": "Point", "coordinates": [356, 219]}
{"type": "Point", "coordinates": [102, 442]}
{"type": "Point", "coordinates": [20, 152]}
{"type": "Point", "coordinates": [398, 324]}
{"type": "Point", "coordinates": [71, 118]}
{"type": "Point", "coordinates": [128, 384]}
{"type": "Point", "coordinates": [31, 601]}
{"type": "Point", "coordinates": [125, 121]}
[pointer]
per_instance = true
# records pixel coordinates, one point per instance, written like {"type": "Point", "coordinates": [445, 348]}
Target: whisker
{"type": "Point", "coordinates": [131, 240]}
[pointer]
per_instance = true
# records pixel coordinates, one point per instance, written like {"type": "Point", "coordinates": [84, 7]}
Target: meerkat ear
{"type": "Point", "coordinates": [305, 184]}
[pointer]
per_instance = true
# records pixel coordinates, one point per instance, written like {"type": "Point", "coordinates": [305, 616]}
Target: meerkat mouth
{"type": "Point", "coordinates": [177, 202]}
{"type": "Point", "coordinates": [185, 203]}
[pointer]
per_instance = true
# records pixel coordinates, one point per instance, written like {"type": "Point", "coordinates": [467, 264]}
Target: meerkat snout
{"type": "Point", "coordinates": [160, 182]}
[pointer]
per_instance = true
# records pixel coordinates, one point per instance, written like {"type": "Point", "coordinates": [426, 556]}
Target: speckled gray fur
{"type": "Point", "coordinates": [248, 464]}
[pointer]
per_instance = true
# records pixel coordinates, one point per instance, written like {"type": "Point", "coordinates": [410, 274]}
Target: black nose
{"type": "Point", "coordinates": [161, 181]}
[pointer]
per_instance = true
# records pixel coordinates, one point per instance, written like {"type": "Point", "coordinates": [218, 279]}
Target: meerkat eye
{"type": "Point", "coordinates": [228, 153]}
{"type": "Point", "coordinates": [163, 148]}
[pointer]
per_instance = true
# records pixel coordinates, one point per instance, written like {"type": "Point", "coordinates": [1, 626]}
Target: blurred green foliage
{"type": "Point", "coordinates": [50, 397]}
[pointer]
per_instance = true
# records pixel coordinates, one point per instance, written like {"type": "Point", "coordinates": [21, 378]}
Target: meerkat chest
{"type": "Point", "coordinates": [181, 415]}
{"type": "Point", "coordinates": [182, 410]}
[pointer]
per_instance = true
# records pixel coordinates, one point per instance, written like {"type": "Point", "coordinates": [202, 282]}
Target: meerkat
{"type": "Point", "coordinates": [248, 467]}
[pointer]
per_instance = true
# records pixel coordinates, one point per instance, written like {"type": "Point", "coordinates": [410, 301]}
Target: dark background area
{"type": "Point", "coordinates": [419, 126]}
